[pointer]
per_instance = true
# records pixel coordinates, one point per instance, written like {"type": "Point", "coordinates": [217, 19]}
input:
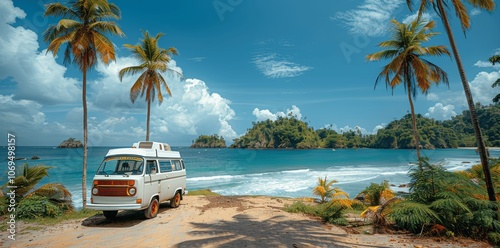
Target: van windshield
{"type": "Point", "coordinates": [121, 165]}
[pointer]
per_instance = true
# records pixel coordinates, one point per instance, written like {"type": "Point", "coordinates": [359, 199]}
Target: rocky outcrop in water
{"type": "Point", "coordinates": [70, 143]}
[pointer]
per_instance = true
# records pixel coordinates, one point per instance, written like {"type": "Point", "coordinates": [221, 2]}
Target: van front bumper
{"type": "Point", "coordinates": [112, 207]}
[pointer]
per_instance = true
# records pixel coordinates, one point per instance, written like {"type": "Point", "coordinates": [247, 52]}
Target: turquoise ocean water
{"type": "Point", "coordinates": [289, 173]}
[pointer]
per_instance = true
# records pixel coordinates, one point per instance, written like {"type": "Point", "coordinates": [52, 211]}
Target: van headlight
{"type": "Point", "coordinates": [95, 191]}
{"type": "Point", "coordinates": [131, 191]}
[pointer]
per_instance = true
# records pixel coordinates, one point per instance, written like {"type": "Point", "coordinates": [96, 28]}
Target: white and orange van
{"type": "Point", "coordinates": [138, 178]}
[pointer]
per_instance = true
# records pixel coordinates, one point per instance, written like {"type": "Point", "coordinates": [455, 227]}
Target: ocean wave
{"type": "Point", "coordinates": [296, 171]}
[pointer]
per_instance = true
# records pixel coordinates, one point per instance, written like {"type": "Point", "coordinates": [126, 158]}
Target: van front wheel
{"type": "Point", "coordinates": [152, 210]}
{"type": "Point", "coordinates": [176, 201]}
{"type": "Point", "coordinates": [109, 214]}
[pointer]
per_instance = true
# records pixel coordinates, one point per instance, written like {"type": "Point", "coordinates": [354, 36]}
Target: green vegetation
{"type": "Point", "coordinates": [153, 61]}
{"type": "Point", "coordinates": [442, 8]}
{"type": "Point", "coordinates": [209, 141]}
{"type": "Point", "coordinates": [205, 192]}
{"type": "Point", "coordinates": [407, 64]}
{"type": "Point", "coordinates": [49, 200]}
{"type": "Point", "coordinates": [84, 36]}
{"type": "Point", "coordinates": [325, 190]}
{"type": "Point", "coordinates": [495, 59]}
{"type": "Point", "coordinates": [331, 211]}
{"type": "Point", "coordinates": [285, 132]}
{"type": "Point", "coordinates": [447, 202]}
{"type": "Point", "coordinates": [293, 133]}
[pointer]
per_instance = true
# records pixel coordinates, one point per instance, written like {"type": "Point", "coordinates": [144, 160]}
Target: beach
{"type": "Point", "coordinates": [215, 221]}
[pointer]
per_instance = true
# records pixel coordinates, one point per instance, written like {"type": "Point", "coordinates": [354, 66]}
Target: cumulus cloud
{"type": "Point", "coordinates": [265, 114]}
{"type": "Point", "coordinates": [192, 109]}
{"type": "Point", "coordinates": [481, 86]}
{"type": "Point", "coordinates": [486, 64]}
{"type": "Point", "coordinates": [38, 76]}
{"type": "Point", "coordinates": [273, 66]}
{"type": "Point", "coordinates": [441, 112]}
{"type": "Point", "coordinates": [198, 111]}
{"type": "Point", "coordinates": [369, 18]}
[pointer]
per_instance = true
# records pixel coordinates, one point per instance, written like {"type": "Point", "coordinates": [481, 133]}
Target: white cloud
{"type": "Point", "coordinates": [370, 18]}
{"type": "Point", "coordinates": [481, 91]}
{"type": "Point", "coordinates": [265, 114]}
{"type": "Point", "coordinates": [37, 74]}
{"type": "Point", "coordinates": [425, 17]}
{"type": "Point", "coordinates": [475, 11]}
{"type": "Point", "coordinates": [197, 59]}
{"type": "Point", "coordinates": [486, 64]}
{"type": "Point", "coordinates": [441, 112]}
{"type": "Point", "coordinates": [192, 109]}
{"type": "Point", "coordinates": [272, 66]}
{"type": "Point", "coordinates": [9, 13]}
{"type": "Point", "coordinates": [378, 127]}
{"type": "Point", "coordinates": [481, 87]}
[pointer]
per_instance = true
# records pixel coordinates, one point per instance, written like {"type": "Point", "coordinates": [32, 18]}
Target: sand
{"type": "Point", "coordinates": [215, 221]}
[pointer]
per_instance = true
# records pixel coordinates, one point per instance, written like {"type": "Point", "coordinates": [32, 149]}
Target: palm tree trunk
{"type": "Point", "coordinates": [147, 119]}
{"type": "Point", "coordinates": [414, 121]}
{"type": "Point", "coordinates": [475, 123]}
{"type": "Point", "coordinates": [85, 136]}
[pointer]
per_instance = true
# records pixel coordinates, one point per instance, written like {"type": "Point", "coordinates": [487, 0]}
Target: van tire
{"type": "Point", "coordinates": [176, 201]}
{"type": "Point", "coordinates": [152, 209]}
{"type": "Point", "coordinates": [110, 214]}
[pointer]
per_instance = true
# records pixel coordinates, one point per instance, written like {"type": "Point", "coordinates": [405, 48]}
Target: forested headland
{"type": "Point", "coordinates": [292, 133]}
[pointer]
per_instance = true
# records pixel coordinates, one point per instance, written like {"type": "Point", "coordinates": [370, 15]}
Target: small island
{"type": "Point", "coordinates": [71, 143]}
{"type": "Point", "coordinates": [209, 141]}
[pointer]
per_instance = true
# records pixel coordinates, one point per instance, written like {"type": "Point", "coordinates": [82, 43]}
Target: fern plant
{"type": "Point", "coordinates": [451, 200]}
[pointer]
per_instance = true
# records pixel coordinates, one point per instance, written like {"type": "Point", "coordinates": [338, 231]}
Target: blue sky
{"type": "Point", "coordinates": [243, 61]}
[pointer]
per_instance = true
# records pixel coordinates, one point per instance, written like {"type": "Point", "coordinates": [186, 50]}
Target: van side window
{"type": "Point", "coordinates": [165, 166]}
{"type": "Point", "coordinates": [177, 164]}
{"type": "Point", "coordinates": [150, 166]}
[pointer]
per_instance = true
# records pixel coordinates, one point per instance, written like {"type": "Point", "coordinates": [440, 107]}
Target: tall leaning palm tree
{"type": "Point", "coordinates": [462, 15]}
{"type": "Point", "coordinates": [153, 61]}
{"type": "Point", "coordinates": [83, 28]}
{"type": "Point", "coordinates": [407, 65]}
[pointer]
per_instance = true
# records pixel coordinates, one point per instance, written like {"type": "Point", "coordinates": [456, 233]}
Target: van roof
{"type": "Point", "coordinates": [146, 149]}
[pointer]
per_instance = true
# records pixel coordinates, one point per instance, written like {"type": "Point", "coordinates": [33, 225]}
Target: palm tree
{"type": "Point", "coordinates": [153, 61]}
{"type": "Point", "coordinates": [463, 17]}
{"type": "Point", "coordinates": [325, 190]}
{"type": "Point", "coordinates": [25, 187]}
{"type": "Point", "coordinates": [495, 59]}
{"type": "Point", "coordinates": [407, 64]}
{"type": "Point", "coordinates": [82, 28]}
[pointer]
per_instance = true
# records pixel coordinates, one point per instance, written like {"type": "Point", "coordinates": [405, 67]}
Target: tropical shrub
{"type": "Point", "coordinates": [378, 194]}
{"type": "Point", "coordinates": [48, 200]}
{"type": "Point", "coordinates": [451, 200]}
{"type": "Point", "coordinates": [325, 190]}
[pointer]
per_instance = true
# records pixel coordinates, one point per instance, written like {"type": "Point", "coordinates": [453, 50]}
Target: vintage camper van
{"type": "Point", "coordinates": [138, 178]}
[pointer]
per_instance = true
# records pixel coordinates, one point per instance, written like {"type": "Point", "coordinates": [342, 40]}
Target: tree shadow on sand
{"type": "Point", "coordinates": [278, 231]}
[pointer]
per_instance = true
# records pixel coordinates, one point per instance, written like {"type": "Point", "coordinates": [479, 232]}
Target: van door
{"type": "Point", "coordinates": [152, 180]}
{"type": "Point", "coordinates": [165, 170]}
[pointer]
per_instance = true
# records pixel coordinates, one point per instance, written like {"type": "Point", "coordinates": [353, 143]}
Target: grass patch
{"type": "Point", "coordinates": [70, 215]}
{"type": "Point", "coordinates": [205, 192]}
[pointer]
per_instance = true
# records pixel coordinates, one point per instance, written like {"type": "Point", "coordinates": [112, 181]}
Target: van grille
{"type": "Point", "coordinates": [113, 191]}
